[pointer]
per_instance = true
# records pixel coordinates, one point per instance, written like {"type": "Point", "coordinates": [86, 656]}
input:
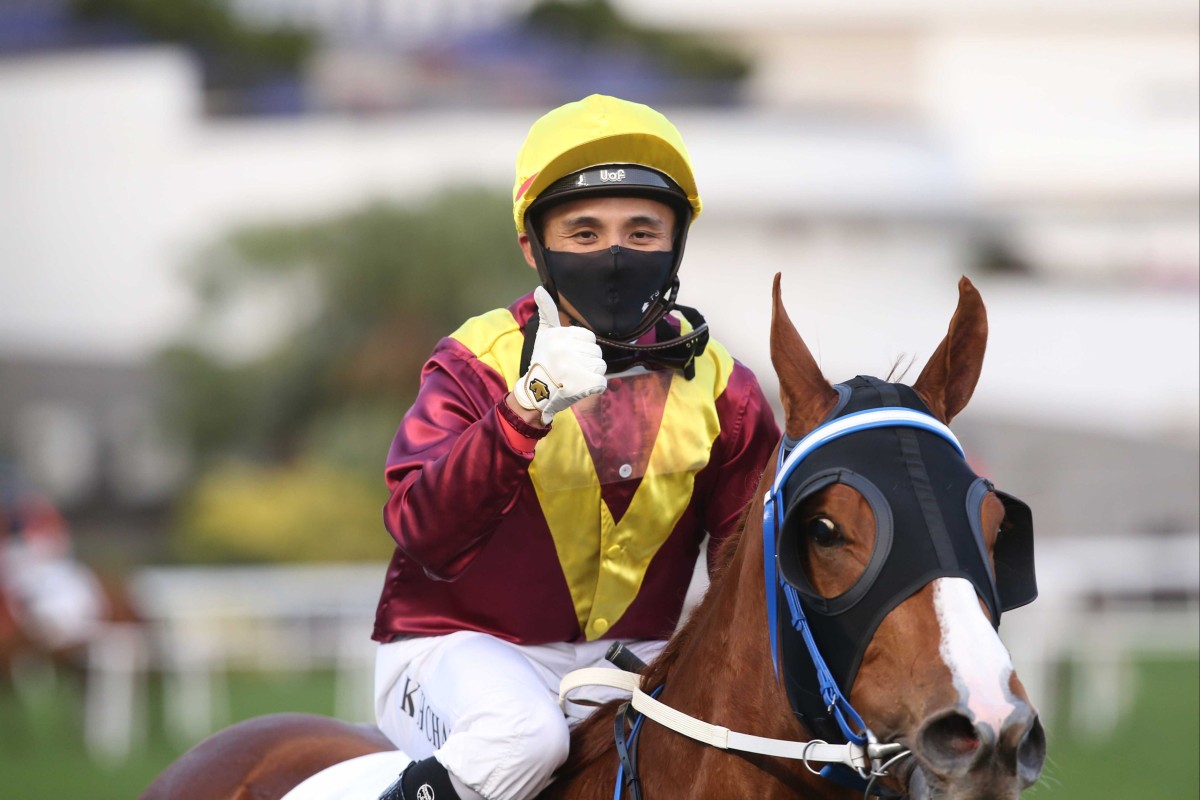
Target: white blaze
{"type": "Point", "coordinates": [977, 659]}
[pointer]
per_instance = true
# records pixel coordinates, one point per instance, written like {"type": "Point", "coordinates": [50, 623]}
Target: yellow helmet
{"type": "Point", "coordinates": [599, 131]}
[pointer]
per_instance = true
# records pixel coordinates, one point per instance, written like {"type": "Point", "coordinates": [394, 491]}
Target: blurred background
{"type": "Point", "coordinates": [230, 233]}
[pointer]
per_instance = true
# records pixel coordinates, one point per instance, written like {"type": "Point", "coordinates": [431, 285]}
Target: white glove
{"type": "Point", "coordinates": [566, 365]}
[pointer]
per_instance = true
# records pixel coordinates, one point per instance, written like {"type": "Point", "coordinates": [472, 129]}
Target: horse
{"type": "Point", "coordinates": [56, 628]}
{"type": "Point", "coordinates": [814, 624]}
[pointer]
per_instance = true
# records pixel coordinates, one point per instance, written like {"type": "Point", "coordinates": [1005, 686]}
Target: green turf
{"type": "Point", "coordinates": [41, 745]}
{"type": "Point", "coordinates": [1155, 757]}
{"type": "Point", "coordinates": [1154, 754]}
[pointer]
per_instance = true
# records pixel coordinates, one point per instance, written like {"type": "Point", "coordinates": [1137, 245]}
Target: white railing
{"type": "Point", "coordinates": [201, 622]}
{"type": "Point", "coordinates": [1104, 602]}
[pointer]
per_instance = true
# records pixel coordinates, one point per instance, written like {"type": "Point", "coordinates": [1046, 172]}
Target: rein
{"type": "Point", "coordinates": [853, 755]}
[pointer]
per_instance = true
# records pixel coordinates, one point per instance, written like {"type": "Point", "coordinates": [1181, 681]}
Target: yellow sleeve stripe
{"type": "Point", "coordinates": [722, 366]}
{"type": "Point", "coordinates": [496, 340]}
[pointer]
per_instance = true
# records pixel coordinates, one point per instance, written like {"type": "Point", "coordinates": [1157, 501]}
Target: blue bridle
{"type": "Point", "coordinates": [848, 720]}
{"type": "Point", "coordinates": [928, 508]}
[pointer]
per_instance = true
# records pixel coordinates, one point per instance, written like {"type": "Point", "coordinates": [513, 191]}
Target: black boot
{"type": "Point", "coordinates": [422, 780]}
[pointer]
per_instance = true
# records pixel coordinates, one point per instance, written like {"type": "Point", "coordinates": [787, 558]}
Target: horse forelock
{"type": "Point", "coordinates": [900, 368]}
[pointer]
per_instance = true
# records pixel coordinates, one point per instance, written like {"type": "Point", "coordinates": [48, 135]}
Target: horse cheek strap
{"type": "Point", "coordinates": [770, 528]}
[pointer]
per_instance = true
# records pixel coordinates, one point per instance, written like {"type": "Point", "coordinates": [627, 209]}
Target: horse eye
{"type": "Point", "coordinates": [822, 531]}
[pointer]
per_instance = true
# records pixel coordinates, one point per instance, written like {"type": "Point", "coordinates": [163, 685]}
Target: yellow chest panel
{"type": "Point", "coordinates": [604, 560]}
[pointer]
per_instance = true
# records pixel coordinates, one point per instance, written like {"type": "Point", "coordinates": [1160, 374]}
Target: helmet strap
{"type": "Point", "coordinates": [539, 259]}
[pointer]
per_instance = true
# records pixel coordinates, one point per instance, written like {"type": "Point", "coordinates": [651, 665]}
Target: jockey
{"type": "Point", "coordinates": [563, 461]}
{"type": "Point", "coordinates": [56, 601]}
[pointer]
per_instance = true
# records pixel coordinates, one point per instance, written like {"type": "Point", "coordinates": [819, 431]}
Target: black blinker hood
{"type": "Point", "coordinates": [927, 504]}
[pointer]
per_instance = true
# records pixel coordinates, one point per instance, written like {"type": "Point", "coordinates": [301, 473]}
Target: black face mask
{"type": "Point", "coordinates": [612, 289]}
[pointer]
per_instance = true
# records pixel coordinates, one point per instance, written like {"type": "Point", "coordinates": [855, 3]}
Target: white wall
{"type": "Point", "coordinates": [87, 146]}
{"type": "Point", "coordinates": [109, 178]}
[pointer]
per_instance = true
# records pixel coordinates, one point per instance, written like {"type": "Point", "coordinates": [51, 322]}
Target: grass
{"type": "Point", "coordinates": [42, 755]}
{"type": "Point", "coordinates": [1154, 756]}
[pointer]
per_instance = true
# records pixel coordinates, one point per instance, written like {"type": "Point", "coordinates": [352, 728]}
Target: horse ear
{"type": "Point", "coordinates": [807, 397]}
{"type": "Point", "coordinates": [948, 380]}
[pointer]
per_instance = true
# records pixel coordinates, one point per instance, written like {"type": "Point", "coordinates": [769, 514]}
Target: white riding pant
{"type": "Point", "coordinates": [486, 708]}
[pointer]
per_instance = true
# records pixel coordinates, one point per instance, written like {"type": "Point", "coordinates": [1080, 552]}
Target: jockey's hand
{"type": "Point", "coordinates": [566, 365]}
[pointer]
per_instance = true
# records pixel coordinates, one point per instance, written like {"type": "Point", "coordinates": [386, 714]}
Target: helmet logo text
{"type": "Point", "coordinates": [612, 175]}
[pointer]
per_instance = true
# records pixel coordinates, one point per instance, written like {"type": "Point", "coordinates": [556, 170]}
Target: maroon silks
{"type": "Point", "coordinates": [474, 551]}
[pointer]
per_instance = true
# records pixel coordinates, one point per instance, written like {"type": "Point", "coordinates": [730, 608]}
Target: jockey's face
{"type": "Point", "coordinates": [591, 224]}
{"type": "Point", "coordinates": [586, 224]}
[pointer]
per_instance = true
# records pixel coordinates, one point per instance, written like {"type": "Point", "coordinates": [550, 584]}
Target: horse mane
{"type": "Point", "coordinates": [656, 673]}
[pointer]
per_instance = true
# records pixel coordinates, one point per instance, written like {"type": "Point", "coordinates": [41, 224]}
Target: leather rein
{"type": "Point", "coordinates": [867, 760]}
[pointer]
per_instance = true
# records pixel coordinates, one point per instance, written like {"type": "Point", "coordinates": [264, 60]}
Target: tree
{"type": "Point", "coordinates": [367, 294]}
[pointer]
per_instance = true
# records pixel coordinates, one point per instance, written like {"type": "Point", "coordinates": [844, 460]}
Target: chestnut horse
{"type": "Point", "coordinates": [926, 672]}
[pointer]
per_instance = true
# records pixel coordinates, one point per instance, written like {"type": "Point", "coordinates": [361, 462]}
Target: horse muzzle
{"type": "Point", "coordinates": [956, 759]}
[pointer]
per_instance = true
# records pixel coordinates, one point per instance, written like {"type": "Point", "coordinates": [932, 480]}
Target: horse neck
{"type": "Point", "coordinates": [718, 668]}
{"type": "Point", "coordinates": [722, 650]}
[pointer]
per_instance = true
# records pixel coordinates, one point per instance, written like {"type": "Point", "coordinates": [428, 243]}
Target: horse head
{"type": "Point", "coordinates": [894, 560]}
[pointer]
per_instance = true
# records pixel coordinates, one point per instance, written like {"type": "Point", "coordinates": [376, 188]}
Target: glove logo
{"type": "Point", "coordinates": [539, 390]}
{"type": "Point", "coordinates": [567, 363]}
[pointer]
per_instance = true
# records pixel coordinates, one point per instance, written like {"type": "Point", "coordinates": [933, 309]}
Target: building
{"type": "Point", "coordinates": [878, 153]}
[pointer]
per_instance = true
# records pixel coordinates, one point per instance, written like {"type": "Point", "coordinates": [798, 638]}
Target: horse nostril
{"type": "Point", "coordinates": [1031, 754]}
{"type": "Point", "coordinates": [949, 742]}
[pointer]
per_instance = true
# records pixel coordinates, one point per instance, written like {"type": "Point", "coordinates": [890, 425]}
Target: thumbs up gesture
{"type": "Point", "coordinates": [565, 367]}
